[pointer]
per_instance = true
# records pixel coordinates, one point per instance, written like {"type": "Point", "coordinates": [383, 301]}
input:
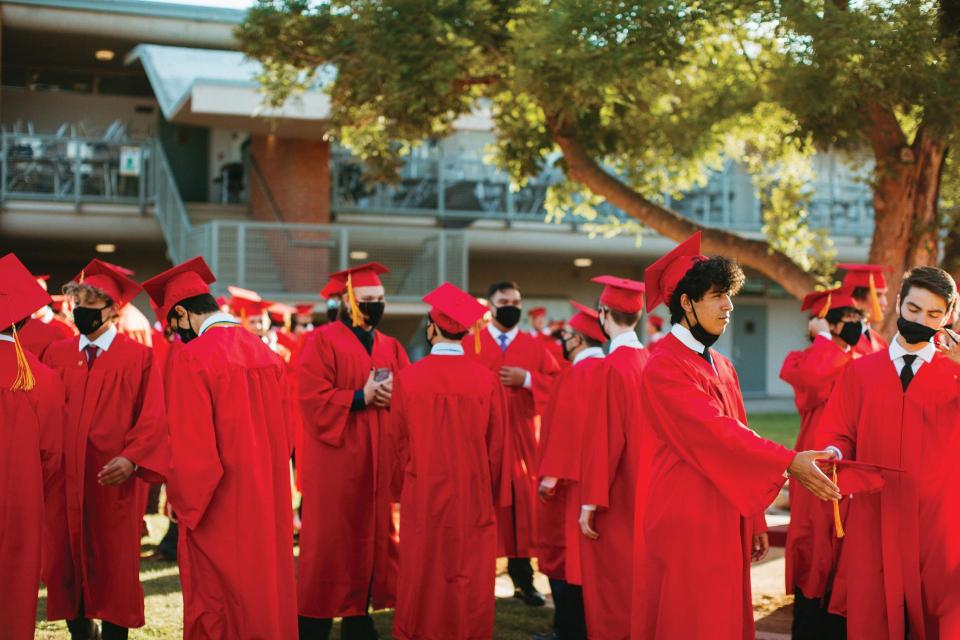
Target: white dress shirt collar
{"type": "Point", "coordinates": [104, 341]}
{"type": "Point", "coordinates": [219, 316]}
{"type": "Point", "coordinates": [496, 333]}
{"type": "Point", "coordinates": [5, 338]}
{"type": "Point", "coordinates": [447, 349]}
{"type": "Point", "coordinates": [589, 352]}
{"type": "Point", "coordinates": [626, 339]}
{"type": "Point", "coordinates": [683, 334]}
{"type": "Point", "coordinates": [923, 355]}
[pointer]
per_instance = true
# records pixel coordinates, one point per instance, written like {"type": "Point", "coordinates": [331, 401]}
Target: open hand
{"type": "Point", "coordinates": [804, 468]}
{"type": "Point", "coordinates": [586, 524]}
{"type": "Point", "coordinates": [760, 547]}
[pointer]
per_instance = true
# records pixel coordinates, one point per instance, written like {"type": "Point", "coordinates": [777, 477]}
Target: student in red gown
{"type": "Point", "coordinates": [527, 371]}
{"type": "Point", "coordinates": [44, 327]}
{"type": "Point", "coordinates": [578, 400]}
{"type": "Point", "coordinates": [539, 330]}
{"type": "Point", "coordinates": [711, 477]}
{"type": "Point", "coordinates": [899, 570]}
{"type": "Point", "coordinates": [835, 328]}
{"type": "Point", "coordinates": [866, 284]}
{"type": "Point", "coordinates": [116, 433]}
{"type": "Point", "coordinates": [348, 543]}
{"type": "Point", "coordinates": [616, 452]}
{"type": "Point", "coordinates": [230, 441]}
{"type": "Point", "coordinates": [450, 471]}
{"type": "Point", "coordinates": [31, 430]}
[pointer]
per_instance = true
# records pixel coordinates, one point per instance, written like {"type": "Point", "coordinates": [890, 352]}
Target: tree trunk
{"type": "Point", "coordinates": [905, 203]}
{"type": "Point", "coordinates": [755, 254]}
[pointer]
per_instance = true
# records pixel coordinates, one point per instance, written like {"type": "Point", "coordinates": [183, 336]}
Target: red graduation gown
{"type": "Point", "coordinates": [31, 431]}
{"type": "Point", "coordinates": [113, 409]}
{"type": "Point", "coordinates": [230, 439]}
{"type": "Point", "coordinates": [617, 454]}
{"type": "Point", "coordinates": [37, 335]}
{"type": "Point", "coordinates": [518, 523]}
{"type": "Point", "coordinates": [578, 399]}
{"type": "Point", "coordinates": [901, 544]}
{"type": "Point", "coordinates": [450, 470]}
{"type": "Point", "coordinates": [348, 543]}
{"type": "Point", "coordinates": [711, 479]}
{"type": "Point", "coordinates": [811, 541]}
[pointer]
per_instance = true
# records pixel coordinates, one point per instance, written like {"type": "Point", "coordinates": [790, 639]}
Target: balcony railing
{"type": "Point", "coordinates": [70, 169]}
{"type": "Point", "coordinates": [285, 261]}
{"type": "Point", "coordinates": [468, 189]}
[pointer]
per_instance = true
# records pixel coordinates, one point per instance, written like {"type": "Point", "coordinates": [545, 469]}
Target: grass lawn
{"type": "Point", "coordinates": [779, 427]}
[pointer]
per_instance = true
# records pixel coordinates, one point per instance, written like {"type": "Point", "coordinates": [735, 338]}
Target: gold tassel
{"type": "Point", "coordinates": [826, 307]}
{"type": "Point", "coordinates": [82, 272]}
{"type": "Point", "coordinates": [837, 524]}
{"type": "Point", "coordinates": [876, 313]}
{"type": "Point", "coordinates": [24, 380]}
{"type": "Point", "coordinates": [477, 328]}
{"type": "Point", "coordinates": [355, 316]}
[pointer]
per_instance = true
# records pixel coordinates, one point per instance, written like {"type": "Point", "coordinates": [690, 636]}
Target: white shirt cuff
{"type": "Point", "coordinates": [588, 507]}
{"type": "Point", "coordinates": [836, 452]}
{"type": "Point", "coordinates": [549, 482]}
{"type": "Point", "coordinates": [528, 381]}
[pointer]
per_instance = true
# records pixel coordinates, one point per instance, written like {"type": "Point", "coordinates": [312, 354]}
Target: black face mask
{"type": "Point", "coordinates": [566, 351]}
{"type": "Point", "coordinates": [186, 335]}
{"type": "Point", "coordinates": [602, 330]}
{"type": "Point", "coordinates": [851, 333]}
{"type": "Point", "coordinates": [88, 320]}
{"type": "Point", "coordinates": [333, 309]}
{"type": "Point", "coordinates": [508, 316]}
{"type": "Point", "coordinates": [372, 312]}
{"type": "Point", "coordinates": [700, 334]}
{"type": "Point", "coordinates": [914, 332]}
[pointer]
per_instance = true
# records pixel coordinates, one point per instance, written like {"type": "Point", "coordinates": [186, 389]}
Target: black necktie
{"type": "Point", "coordinates": [705, 354]}
{"type": "Point", "coordinates": [906, 374]}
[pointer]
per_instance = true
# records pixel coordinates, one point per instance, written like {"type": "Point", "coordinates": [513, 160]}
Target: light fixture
{"type": "Point", "coordinates": [359, 255]}
{"type": "Point", "coordinates": [104, 55]}
{"type": "Point", "coordinates": [106, 248]}
{"type": "Point", "coordinates": [582, 262]}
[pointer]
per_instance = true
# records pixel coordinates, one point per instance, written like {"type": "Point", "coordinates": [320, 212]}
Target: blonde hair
{"type": "Point", "coordinates": [85, 293]}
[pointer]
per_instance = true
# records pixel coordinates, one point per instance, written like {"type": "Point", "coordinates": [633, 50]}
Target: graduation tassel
{"type": "Point", "coordinates": [477, 328]}
{"type": "Point", "coordinates": [826, 307]}
{"type": "Point", "coordinates": [355, 316]}
{"type": "Point", "coordinates": [876, 313]}
{"type": "Point", "coordinates": [24, 380]}
{"type": "Point", "coordinates": [837, 524]}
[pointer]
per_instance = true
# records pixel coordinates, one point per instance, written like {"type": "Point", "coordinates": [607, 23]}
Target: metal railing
{"type": "Point", "coordinates": [289, 261]}
{"type": "Point", "coordinates": [78, 170]}
{"type": "Point", "coordinates": [468, 189]}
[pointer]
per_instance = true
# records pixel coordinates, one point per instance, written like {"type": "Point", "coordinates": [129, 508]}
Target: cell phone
{"type": "Point", "coordinates": [381, 374]}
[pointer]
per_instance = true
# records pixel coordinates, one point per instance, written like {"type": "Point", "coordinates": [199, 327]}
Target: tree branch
{"type": "Point", "coordinates": [755, 254]}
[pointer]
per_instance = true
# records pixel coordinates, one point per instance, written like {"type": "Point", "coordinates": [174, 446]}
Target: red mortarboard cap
{"type": "Point", "coordinates": [335, 287]}
{"type": "Point", "coordinates": [662, 277]}
{"type": "Point", "coordinates": [20, 295]}
{"type": "Point", "coordinates": [537, 312]}
{"type": "Point", "coordinates": [191, 278]}
{"type": "Point", "coordinates": [305, 309]}
{"type": "Point", "coordinates": [57, 303]}
{"type": "Point", "coordinates": [621, 294]}
{"type": "Point", "coordinates": [41, 276]}
{"type": "Point", "coordinates": [111, 279]}
{"type": "Point", "coordinates": [453, 309]}
{"type": "Point", "coordinates": [819, 303]}
{"type": "Point", "coordinates": [656, 321]}
{"type": "Point", "coordinates": [364, 275]}
{"type": "Point", "coordinates": [858, 275]}
{"type": "Point", "coordinates": [246, 302]}
{"type": "Point", "coordinates": [586, 322]}
{"type": "Point", "coordinates": [279, 312]}
{"type": "Point", "coordinates": [853, 476]}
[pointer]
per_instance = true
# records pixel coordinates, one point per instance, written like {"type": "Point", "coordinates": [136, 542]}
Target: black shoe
{"type": "Point", "coordinates": [530, 596]}
{"type": "Point", "coordinates": [547, 635]}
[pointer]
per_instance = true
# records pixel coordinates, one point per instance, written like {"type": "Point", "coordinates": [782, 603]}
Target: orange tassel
{"type": "Point", "coordinates": [25, 381]}
{"type": "Point", "coordinates": [477, 328]}
{"type": "Point", "coordinates": [826, 307]}
{"type": "Point", "coordinates": [355, 316]}
{"type": "Point", "coordinates": [876, 313]}
{"type": "Point", "coordinates": [837, 523]}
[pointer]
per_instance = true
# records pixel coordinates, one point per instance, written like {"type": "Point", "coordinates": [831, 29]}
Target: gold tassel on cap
{"type": "Point", "coordinates": [837, 523]}
{"type": "Point", "coordinates": [876, 313]}
{"type": "Point", "coordinates": [477, 328]}
{"type": "Point", "coordinates": [25, 381]}
{"type": "Point", "coordinates": [826, 307]}
{"type": "Point", "coordinates": [355, 316]}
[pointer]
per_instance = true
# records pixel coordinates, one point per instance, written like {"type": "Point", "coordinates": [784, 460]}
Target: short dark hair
{"type": "Point", "coordinates": [503, 285]}
{"type": "Point", "coordinates": [835, 316]}
{"type": "Point", "coordinates": [590, 342]}
{"type": "Point", "coordinates": [203, 303]}
{"type": "Point", "coordinates": [449, 336]}
{"type": "Point", "coordinates": [716, 273]}
{"type": "Point", "coordinates": [622, 318]}
{"type": "Point", "coordinates": [860, 293]}
{"type": "Point", "coordinates": [933, 279]}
